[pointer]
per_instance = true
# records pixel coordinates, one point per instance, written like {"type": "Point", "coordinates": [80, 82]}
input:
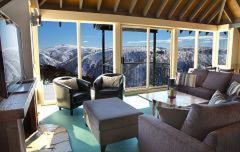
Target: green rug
{"type": "Point", "coordinates": [82, 140]}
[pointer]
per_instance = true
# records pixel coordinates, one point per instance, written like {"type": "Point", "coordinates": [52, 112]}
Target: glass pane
{"type": "Point", "coordinates": [185, 50]}
{"type": "Point", "coordinates": [134, 56]}
{"type": "Point", "coordinates": [205, 50]}
{"type": "Point", "coordinates": [96, 40]}
{"type": "Point", "coordinates": [159, 57]}
{"type": "Point", "coordinates": [223, 45]}
{"type": "Point", "coordinates": [58, 52]}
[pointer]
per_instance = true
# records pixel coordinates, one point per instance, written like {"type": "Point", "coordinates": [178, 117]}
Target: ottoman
{"type": "Point", "coordinates": [111, 120]}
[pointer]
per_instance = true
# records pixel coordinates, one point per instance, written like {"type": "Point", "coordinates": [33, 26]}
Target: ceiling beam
{"type": "Point", "coordinates": [42, 2]}
{"type": "Point", "coordinates": [80, 4]}
{"type": "Point", "coordinates": [238, 2]}
{"type": "Point", "coordinates": [174, 8]}
{"type": "Point", "coordinates": [116, 6]}
{"type": "Point", "coordinates": [185, 9]}
{"type": "Point", "coordinates": [147, 7]}
{"type": "Point", "coordinates": [132, 6]}
{"type": "Point", "coordinates": [61, 3]}
{"type": "Point", "coordinates": [221, 11]}
{"type": "Point", "coordinates": [214, 15]}
{"type": "Point", "coordinates": [228, 14]}
{"type": "Point", "coordinates": [207, 10]}
{"type": "Point", "coordinates": [197, 9]}
{"type": "Point", "coordinates": [161, 7]}
{"type": "Point", "coordinates": [235, 25]}
{"type": "Point", "coordinates": [99, 3]}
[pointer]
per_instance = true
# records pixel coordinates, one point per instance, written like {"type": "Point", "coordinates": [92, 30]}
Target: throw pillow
{"type": "Point", "coordinates": [72, 83]}
{"type": "Point", "coordinates": [203, 119]}
{"type": "Point", "coordinates": [217, 98]}
{"type": "Point", "coordinates": [180, 79]}
{"type": "Point", "coordinates": [111, 82]}
{"type": "Point", "coordinates": [234, 89]}
{"type": "Point", "coordinates": [190, 80]}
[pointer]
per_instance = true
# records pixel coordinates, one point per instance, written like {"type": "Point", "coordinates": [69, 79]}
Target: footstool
{"type": "Point", "coordinates": [111, 120]}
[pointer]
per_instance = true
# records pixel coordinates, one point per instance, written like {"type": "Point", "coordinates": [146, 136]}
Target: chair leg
{"type": "Point", "coordinates": [60, 108]}
{"type": "Point", "coordinates": [71, 112]}
{"type": "Point", "coordinates": [103, 148]}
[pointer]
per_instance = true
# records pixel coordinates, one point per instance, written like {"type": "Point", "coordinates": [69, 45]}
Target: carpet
{"type": "Point", "coordinates": [82, 140]}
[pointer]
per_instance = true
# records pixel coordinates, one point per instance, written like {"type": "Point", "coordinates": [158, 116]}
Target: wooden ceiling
{"type": "Point", "coordinates": [199, 11]}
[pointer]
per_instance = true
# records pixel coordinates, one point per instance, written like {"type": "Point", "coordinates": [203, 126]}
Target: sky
{"type": "Point", "coordinates": [50, 34]}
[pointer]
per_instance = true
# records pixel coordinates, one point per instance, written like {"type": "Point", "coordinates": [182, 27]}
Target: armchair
{"type": "Point", "coordinates": [71, 92]}
{"type": "Point", "coordinates": [110, 88]}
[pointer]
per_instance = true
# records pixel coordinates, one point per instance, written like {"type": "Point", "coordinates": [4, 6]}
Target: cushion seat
{"type": "Point", "coordinates": [108, 91]}
{"type": "Point", "coordinates": [201, 92]}
{"type": "Point", "coordinates": [80, 96]}
{"type": "Point", "coordinates": [111, 113]}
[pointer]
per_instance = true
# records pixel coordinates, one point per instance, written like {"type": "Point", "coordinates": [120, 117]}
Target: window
{"type": "Point", "coordinates": [223, 47]}
{"type": "Point", "coordinates": [185, 50]}
{"type": "Point", "coordinates": [97, 52]}
{"type": "Point", "coordinates": [205, 49]}
{"type": "Point", "coordinates": [159, 57]}
{"type": "Point", "coordinates": [134, 56]}
{"type": "Point", "coordinates": [58, 53]}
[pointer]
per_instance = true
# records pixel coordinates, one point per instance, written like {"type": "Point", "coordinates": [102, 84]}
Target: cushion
{"type": "Point", "coordinates": [201, 92]}
{"type": "Point", "coordinates": [108, 91]}
{"type": "Point", "coordinates": [112, 81]}
{"type": "Point", "coordinates": [203, 119]}
{"type": "Point", "coordinates": [183, 89]}
{"type": "Point", "coordinates": [234, 89]}
{"type": "Point", "coordinates": [217, 81]}
{"type": "Point", "coordinates": [80, 97]}
{"type": "Point", "coordinates": [180, 79]}
{"type": "Point", "coordinates": [111, 113]}
{"type": "Point", "coordinates": [201, 76]}
{"type": "Point", "coordinates": [190, 80]}
{"type": "Point", "coordinates": [217, 98]}
{"type": "Point", "coordinates": [172, 116]}
{"type": "Point", "coordinates": [72, 83]}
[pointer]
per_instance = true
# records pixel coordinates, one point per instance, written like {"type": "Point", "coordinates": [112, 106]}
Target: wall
{"type": "Point", "coordinates": [18, 11]}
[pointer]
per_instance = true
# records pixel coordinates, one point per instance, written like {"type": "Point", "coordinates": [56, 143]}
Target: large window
{"type": "Point", "coordinates": [205, 49]}
{"type": "Point", "coordinates": [223, 47]}
{"type": "Point", "coordinates": [185, 50]}
{"type": "Point", "coordinates": [97, 52]}
{"type": "Point", "coordinates": [134, 56]}
{"type": "Point", "coordinates": [58, 53]}
{"type": "Point", "coordinates": [159, 57]}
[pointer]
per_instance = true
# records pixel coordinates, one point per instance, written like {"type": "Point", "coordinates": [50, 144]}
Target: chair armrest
{"type": "Point", "coordinates": [63, 94]}
{"type": "Point", "coordinates": [83, 85]}
{"type": "Point", "coordinates": [225, 139]}
{"type": "Point", "coordinates": [155, 135]}
{"type": "Point", "coordinates": [97, 84]}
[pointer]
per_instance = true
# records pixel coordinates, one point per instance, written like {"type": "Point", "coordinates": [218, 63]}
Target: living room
{"type": "Point", "coordinates": [120, 76]}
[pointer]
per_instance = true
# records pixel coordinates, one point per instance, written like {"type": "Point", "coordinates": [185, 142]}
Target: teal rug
{"type": "Point", "coordinates": [82, 140]}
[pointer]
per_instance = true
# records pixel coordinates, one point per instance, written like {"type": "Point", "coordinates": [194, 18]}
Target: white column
{"type": "Point", "coordinates": [148, 59]}
{"type": "Point", "coordinates": [117, 47]}
{"type": "Point", "coordinates": [215, 49]}
{"type": "Point", "coordinates": [79, 54]}
{"type": "Point", "coordinates": [173, 53]}
{"type": "Point", "coordinates": [196, 48]}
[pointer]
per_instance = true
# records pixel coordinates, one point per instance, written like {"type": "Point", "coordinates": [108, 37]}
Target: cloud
{"type": "Point", "coordinates": [85, 41]}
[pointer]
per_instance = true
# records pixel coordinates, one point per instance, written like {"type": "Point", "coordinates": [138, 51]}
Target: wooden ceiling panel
{"type": "Point", "coordinates": [200, 11]}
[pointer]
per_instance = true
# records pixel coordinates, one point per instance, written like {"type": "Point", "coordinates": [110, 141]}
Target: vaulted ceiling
{"type": "Point", "coordinates": [200, 11]}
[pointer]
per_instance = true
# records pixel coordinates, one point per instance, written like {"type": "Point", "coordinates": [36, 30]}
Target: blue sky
{"type": "Point", "coordinates": [50, 34]}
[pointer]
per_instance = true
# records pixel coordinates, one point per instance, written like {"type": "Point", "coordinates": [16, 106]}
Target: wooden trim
{"type": "Point", "coordinates": [197, 9]}
{"type": "Point", "coordinates": [60, 15]}
{"type": "Point", "coordinates": [132, 6]}
{"type": "Point", "coordinates": [221, 11]}
{"type": "Point", "coordinates": [147, 7]}
{"type": "Point", "coordinates": [161, 7]}
{"type": "Point", "coordinates": [214, 15]}
{"type": "Point", "coordinates": [228, 14]}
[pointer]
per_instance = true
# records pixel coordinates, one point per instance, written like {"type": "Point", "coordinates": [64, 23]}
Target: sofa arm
{"type": "Point", "coordinates": [154, 136]}
{"type": "Point", "coordinates": [97, 84]}
{"type": "Point", "coordinates": [225, 139]}
{"type": "Point", "coordinates": [62, 94]}
{"type": "Point", "coordinates": [83, 85]}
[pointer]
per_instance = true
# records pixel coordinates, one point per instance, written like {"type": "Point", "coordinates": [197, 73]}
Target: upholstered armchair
{"type": "Point", "coordinates": [71, 92]}
{"type": "Point", "coordinates": [109, 85]}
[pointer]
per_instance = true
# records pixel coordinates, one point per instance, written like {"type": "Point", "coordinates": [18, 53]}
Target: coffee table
{"type": "Point", "coordinates": [182, 100]}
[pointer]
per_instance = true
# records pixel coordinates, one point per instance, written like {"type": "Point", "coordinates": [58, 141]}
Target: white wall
{"type": "Point", "coordinates": [18, 11]}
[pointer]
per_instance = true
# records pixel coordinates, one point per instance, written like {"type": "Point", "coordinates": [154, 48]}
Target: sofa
{"type": "Point", "coordinates": [208, 82]}
{"type": "Point", "coordinates": [207, 128]}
